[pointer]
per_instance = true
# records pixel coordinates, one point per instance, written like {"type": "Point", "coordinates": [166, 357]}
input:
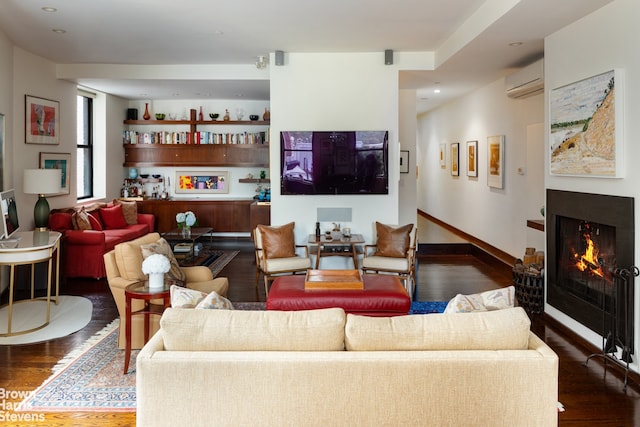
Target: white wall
{"type": "Point", "coordinates": [598, 43]}
{"type": "Point", "coordinates": [326, 91]}
{"type": "Point", "coordinates": [6, 104]}
{"type": "Point", "coordinates": [495, 216]}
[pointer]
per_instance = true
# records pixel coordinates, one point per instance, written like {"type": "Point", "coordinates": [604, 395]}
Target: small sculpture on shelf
{"type": "Point", "coordinates": [227, 116]}
{"type": "Point", "coordinates": [267, 115]}
{"type": "Point", "coordinates": [146, 115]}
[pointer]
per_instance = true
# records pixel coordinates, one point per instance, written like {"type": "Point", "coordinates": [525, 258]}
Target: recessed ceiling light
{"type": "Point", "coordinates": [436, 91]}
{"type": "Point", "coordinates": [59, 31]}
{"type": "Point", "coordinates": [49, 9]}
{"type": "Point", "coordinates": [515, 44]}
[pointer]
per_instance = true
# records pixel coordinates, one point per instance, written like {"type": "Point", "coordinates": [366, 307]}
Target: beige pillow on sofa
{"type": "Point", "coordinates": [129, 256]}
{"type": "Point", "coordinates": [506, 329]}
{"type": "Point", "coordinates": [162, 247]}
{"type": "Point", "coordinates": [240, 330]}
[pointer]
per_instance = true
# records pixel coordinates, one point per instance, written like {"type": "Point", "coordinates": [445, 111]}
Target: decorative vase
{"type": "Point", "coordinates": [156, 280]}
{"type": "Point", "coordinates": [186, 232]}
{"type": "Point", "coordinates": [146, 115]}
{"type": "Point", "coordinates": [267, 115]}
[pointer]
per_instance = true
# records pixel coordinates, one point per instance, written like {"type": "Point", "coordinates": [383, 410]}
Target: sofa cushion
{"type": "Point", "coordinates": [492, 330]}
{"type": "Point", "coordinates": [113, 217]}
{"type": "Point", "coordinates": [95, 223]}
{"type": "Point", "coordinates": [240, 330]}
{"type": "Point", "coordinates": [60, 221]}
{"type": "Point", "coordinates": [162, 247]}
{"type": "Point", "coordinates": [129, 256]}
{"type": "Point", "coordinates": [129, 209]}
{"type": "Point", "coordinates": [278, 242]}
{"type": "Point", "coordinates": [495, 299]}
{"type": "Point", "coordinates": [393, 241]}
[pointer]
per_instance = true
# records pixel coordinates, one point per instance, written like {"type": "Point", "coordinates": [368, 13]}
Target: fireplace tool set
{"type": "Point", "coordinates": [623, 279]}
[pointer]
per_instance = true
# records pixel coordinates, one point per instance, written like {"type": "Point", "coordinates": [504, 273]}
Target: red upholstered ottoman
{"type": "Point", "coordinates": [383, 295]}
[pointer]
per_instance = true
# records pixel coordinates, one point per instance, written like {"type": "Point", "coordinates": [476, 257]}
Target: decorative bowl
{"type": "Point", "coordinates": [144, 175]}
{"type": "Point", "coordinates": [253, 117]}
{"type": "Point", "coordinates": [214, 116]}
{"type": "Point", "coordinates": [156, 175]}
{"type": "Point", "coordinates": [160, 116]}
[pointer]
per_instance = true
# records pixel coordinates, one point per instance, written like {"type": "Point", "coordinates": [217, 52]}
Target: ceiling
{"type": "Point", "coordinates": [470, 39]}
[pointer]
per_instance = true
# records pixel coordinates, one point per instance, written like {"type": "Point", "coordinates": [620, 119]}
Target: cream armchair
{"type": "Point", "coordinates": [124, 267]}
{"type": "Point", "coordinates": [394, 252]}
{"type": "Point", "coordinates": [277, 254]}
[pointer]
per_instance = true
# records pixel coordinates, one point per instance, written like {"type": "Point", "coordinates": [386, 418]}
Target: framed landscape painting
{"type": "Point", "coordinates": [202, 182]}
{"type": "Point", "coordinates": [585, 134]}
{"type": "Point", "coordinates": [495, 161]}
{"type": "Point", "coordinates": [472, 158]}
{"type": "Point", "coordinates": [42, 121]}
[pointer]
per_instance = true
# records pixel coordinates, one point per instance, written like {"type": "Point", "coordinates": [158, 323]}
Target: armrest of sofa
{"type": "Point", "coordinates": [197, 273]}
{"type": "Point", "coordinates": [84, 237]}
{"type": "Point", "coordinates": [148, 219]}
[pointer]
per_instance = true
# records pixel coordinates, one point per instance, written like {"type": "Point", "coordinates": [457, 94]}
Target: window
{"type": "Point", "coordinates": [84, 150]}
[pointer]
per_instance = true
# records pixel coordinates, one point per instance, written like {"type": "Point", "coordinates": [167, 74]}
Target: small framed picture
{"type": "Point", "coordinates": [455, 159]}
{"type": "Point", "coordinates": [60, 161]}
{"type": "Point", "coordinates": [190, 182]}
{"type": "Point", "coordinates": [472, 158]}
{"type": "Point", "coordinates": [404, 161]}
{"type": "Point", "coordinates": [495, 161]}
{"type": "Point", "coordinates": [42, 121]}
{"type": "Point", "coordinates": [443, 156]}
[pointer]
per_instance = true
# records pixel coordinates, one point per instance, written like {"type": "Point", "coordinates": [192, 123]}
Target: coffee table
{"type": "Point", "coordinates": [382, 296]}
{"type": "Point", "coordinates": [175, 236]}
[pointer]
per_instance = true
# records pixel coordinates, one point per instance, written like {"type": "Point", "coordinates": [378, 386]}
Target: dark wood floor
{"type": "Point", "coordinates": [589, 397]}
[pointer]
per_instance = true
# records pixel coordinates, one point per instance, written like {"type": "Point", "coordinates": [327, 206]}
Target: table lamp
{"type": "Point", "coordinates": [41, 182]}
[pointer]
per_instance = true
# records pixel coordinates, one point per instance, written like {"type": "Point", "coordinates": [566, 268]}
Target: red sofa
{"type": "Point", "coordinates": [82, 250]}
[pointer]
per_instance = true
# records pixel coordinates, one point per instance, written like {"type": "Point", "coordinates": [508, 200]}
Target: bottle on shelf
{"type": "Point", "coordinates": [317, 230]}
{"type": "Point", "coordinates": [200, 115]}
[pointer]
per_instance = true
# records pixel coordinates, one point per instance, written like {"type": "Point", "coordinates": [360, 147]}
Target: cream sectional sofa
{"type": "Point", "coordinates": [325, 368]}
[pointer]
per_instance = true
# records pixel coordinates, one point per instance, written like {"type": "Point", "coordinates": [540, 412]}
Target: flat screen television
{"type": "Point", "coordinates": [9, 214]}
{"type": "Point", "coordinates": [334, 162]}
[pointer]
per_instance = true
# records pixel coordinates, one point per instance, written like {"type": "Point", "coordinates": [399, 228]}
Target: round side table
{"type": "Point", "coordinates": [141, 290]}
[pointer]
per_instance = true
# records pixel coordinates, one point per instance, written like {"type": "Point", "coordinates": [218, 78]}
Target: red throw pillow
{"type": "Point", "coordinates": [113, 217]}
{"type": "Point", "coordinates": [95, 222]}
{"type": "Point", "coordinates": [60, 221]}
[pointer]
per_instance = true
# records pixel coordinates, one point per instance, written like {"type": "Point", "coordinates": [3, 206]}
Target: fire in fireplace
{"type": "Point", "coordinates": [589, 238]}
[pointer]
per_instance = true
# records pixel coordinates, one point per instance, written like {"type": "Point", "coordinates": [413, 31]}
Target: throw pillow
{"type": "Point", "coordinates": [60, 221]}
{"type": "Point", "coordinates": [185, 297]}
{"type": "Point", "coordinates": [214, 301]}
{"type": "Point", "coordinates": [496, 299]}
{"type": "Point", "coordinates": [80, 219]}
{"type": "Point", "coordinates": [191, 298]}
{"type": "Point", "coordinates": [393, 241]}
{"type": "Point", "coordinates": [113, 218]}
{"type": "Point", "coordinates": [95, 223]}
{"type": "Point", "coordinates": [278, 242]}
{"type": "Point", "coordinates": [162, 247]}
{"type": "Point", "coordinates": [129, 209]}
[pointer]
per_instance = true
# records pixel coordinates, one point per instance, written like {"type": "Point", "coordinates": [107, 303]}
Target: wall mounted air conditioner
{"type": "Point", "coordinates": [526, 82]}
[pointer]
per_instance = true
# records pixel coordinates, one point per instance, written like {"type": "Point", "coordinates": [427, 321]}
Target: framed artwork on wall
{"type": "Point", "coordinates": [42, 121]}
{"type": "Point", "coordinates": [190, 182]}
{"type": "Point", "coordinates": [404, 161]}
{"type": "Point", "coordinates": [585, 131]}
{"type": "Point", "coordinates": [443, 157]}
{"type": "Point", "coordinates": [455, 158]}
{"type": "Point", "coordinates": [495, 161]}
{"type": "Point", "coordinates": [472, 158]}
{"type": "Point", "coordinates": [60, 161]}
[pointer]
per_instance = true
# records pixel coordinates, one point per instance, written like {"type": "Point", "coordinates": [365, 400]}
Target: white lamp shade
{"type": "Point", "coordinates": [42, 181]}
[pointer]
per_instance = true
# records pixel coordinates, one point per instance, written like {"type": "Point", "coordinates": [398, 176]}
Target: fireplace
{"type": "Point", "coordinates": [590, 238]}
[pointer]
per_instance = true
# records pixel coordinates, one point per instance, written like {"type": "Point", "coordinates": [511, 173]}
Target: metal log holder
{"type": "Point", "coordinates": [623, 279]}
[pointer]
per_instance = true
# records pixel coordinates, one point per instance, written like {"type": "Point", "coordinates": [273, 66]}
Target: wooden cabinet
{"type": "Point", "coordinates": [260, 214]}
{"type": "Point", "coordinates": [226, 216]}
{"type": "Point", "coordinates": [218, 154]}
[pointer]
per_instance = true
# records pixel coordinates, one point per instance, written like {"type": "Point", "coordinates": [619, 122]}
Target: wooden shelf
{"type": "Point", "coordinates": [255, 180]}
{"type": "Point", "coordinates": [199, 122]}
{"type": "Point", "coordinates": [537, 224]}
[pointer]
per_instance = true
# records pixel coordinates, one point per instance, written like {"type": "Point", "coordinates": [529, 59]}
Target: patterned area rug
{"type": "Point", "coordinates": [417, 307]}
{"type": "Point", "coordinates": [216, 260]}
{"type": "Point", "coordinates": [89, 379]}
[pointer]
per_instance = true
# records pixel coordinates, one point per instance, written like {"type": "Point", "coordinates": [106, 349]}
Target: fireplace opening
{"type": "Point", "coordinates": [589, 238]}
